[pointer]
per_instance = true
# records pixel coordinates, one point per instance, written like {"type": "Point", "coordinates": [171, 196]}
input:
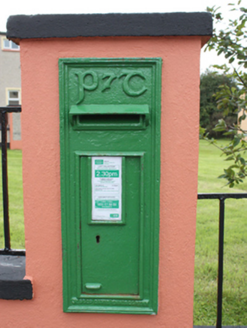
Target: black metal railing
{"type": "Point", "coordinates": [4, 122]}
{"type": "Point", "coordinates": [221, 198]}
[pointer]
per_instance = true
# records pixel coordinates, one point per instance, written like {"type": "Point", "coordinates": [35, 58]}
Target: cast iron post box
{"type": "Point", "coordinates": [110, 172]}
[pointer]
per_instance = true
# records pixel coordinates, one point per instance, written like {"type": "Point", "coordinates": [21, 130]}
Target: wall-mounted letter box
{"type": "Point", "coordinates": [110, 171]}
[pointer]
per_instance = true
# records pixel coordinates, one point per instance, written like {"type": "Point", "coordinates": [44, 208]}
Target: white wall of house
{"type": "Point", "coordinates": [10, 70]}
{"type": "Point", "coordinates": [10, 79]}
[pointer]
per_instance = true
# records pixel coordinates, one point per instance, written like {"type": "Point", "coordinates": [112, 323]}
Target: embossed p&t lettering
{"type": "Point", "coordinates": [126, 86]}
{"type": "Point", "coordinates": [84, 86]}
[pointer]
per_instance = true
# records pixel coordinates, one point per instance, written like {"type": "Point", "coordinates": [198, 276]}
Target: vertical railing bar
{"type": "Point", "coordinates": [221, 197]}
{"type": "Point", "coordinates": [220, 261]}
{"type": "Point", "coordinates": [4, 119]}
{"type": "Point", "coordinates": [5, 182]}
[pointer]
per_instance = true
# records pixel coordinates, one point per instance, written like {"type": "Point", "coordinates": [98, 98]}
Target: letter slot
{"type": "Point", "coordinates": [109, 116]}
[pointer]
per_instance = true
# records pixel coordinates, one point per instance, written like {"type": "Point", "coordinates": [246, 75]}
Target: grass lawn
{"type": "Point", "coordinates": [235, 258]}
{"type": "Point", "coordinates": [15, 201]}
{"type": "Point", "coordinates": [235, 247]}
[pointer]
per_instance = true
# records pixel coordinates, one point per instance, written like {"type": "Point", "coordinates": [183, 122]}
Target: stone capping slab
{"type": "Point", "coordinates": [103, 25]}
{"type": "Point", "coordinates": [16, 289]}
{"type": "Point", "coordinates": [13, 286]}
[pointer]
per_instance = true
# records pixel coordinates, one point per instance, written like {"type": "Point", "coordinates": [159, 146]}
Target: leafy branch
{"type": "Point", "coordinates": [232, 43]}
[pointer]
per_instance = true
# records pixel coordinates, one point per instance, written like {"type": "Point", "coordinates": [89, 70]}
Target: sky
{"type": "Point", "coordinates": [31, 7]}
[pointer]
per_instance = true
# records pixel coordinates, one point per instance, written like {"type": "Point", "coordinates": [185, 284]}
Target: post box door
{"type": "Point", "coordinates": [110, 238]}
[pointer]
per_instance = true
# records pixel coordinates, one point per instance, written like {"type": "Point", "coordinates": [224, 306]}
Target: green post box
{"type": "Point", "coordinates": [110, 171]}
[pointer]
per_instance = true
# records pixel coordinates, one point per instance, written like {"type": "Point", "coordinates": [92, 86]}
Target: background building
{"type": "Point", "coordinates": [10, 86]}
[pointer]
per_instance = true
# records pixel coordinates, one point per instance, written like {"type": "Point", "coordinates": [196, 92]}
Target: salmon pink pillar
{"type": "Point", "coordinates": [175, 38]}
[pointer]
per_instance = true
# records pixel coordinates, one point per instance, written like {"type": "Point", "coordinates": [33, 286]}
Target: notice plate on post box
{"type": "Point", "coordinates": [106, 188]}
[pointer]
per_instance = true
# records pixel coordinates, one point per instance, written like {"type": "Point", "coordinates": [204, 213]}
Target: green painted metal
{"type": "Point", "coordinates": [110, 108]}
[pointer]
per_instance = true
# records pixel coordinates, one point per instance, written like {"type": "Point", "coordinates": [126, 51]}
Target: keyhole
{"type": "Point", "coordinates": [97, 239]}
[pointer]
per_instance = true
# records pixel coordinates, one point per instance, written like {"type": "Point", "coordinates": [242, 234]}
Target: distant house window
{"type": "Point", "coordinates": [10, 45]}
{"type": "Point", "coordinates": [14, 97]}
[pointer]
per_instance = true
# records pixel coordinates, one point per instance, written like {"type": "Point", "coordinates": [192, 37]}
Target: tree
{"type": "Point", "coordinates": [232, 42]}
{"type": "Point", "coordinates": [209, 113]}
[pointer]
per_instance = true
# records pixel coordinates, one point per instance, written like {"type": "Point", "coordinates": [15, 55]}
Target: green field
{"type": "Point", "coordinates": [235, 246]}
{"type": "Point", "coordinates": [235, 260]}
{"type": "Point", "coordinates": [15, 201]}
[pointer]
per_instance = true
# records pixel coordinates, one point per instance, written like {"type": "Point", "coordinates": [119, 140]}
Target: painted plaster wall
{"type": "Point", "coordinates": [41, 175]}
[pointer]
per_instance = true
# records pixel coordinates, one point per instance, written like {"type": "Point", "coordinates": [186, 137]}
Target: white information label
{"type": "Point", "coordinates": [106, 188]}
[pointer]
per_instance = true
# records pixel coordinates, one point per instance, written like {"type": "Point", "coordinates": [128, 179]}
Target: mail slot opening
{"type": "Point", "coordinates": [110, 119]}
{"type": "Point", "coordinates": [83, 117]}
